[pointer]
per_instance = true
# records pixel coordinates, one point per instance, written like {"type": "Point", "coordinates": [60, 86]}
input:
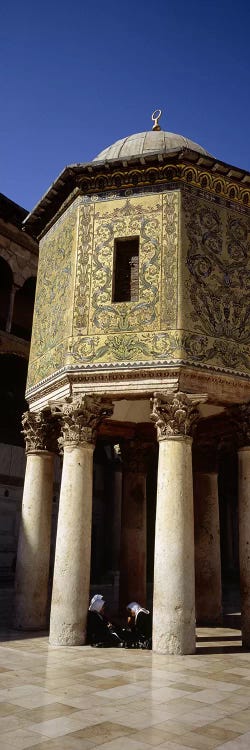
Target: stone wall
{"type": "Point", "coordinates": [12, 469]}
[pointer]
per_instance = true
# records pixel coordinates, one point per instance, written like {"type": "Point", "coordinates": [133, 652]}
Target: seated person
{"type": "Point", "coordinates": [100, 632]}
{"type": "Point", "coordinates": [140, 625]}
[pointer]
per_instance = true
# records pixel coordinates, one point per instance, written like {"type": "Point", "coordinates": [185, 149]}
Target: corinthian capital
{"type": "Point", "coordinates": [175, 414]}
{"type": "Point", "coordinates": [38, 430]}
{"type": "Point", "coordinates": [240, 421]}
{"type": "Point", "coordinates": [79, 418]}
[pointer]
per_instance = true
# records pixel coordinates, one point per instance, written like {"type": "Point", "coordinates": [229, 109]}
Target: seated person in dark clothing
{"type": "Point", "coordinates": [140, 625]}
{"type": "Point", "coordinates": [100, 632]}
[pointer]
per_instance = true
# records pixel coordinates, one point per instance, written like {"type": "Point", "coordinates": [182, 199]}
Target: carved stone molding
{"type": "Point", "coordinates": [240, 420]}
{"type": "Point", "coordinates": [39, 430]}
{"type": "Point", "coordinates": [79, 418]}
{"type": "Point", "coordinates": [136, 455]}
{"type": "Point", "coordinates": [175, 414]}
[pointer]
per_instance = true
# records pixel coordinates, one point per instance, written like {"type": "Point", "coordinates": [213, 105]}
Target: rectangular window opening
{"type": "Point", "coordinates": [126, 270]}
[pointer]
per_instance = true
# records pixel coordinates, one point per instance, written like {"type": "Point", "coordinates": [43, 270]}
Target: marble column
{"type": "Point", "coordinates": [116, 522]}
{"type": "Point", "coordinates": [117, 506]}
{"type": "Point", "coordinates": [133, 555]}
{"type": "Point", "coordinates": [175, 416]}
{"type": "Point", "coordinates": [33, 552]}
{"type": "Point", "coordinates": [208, 590]}
{"type": "Point", "coordinates": [70, 593]}
{"type": "Point", "coordinates": [243, 435]}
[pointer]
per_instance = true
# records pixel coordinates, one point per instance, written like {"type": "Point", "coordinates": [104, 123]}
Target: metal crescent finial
{"type": "Point", "coordinates": [155, 117]}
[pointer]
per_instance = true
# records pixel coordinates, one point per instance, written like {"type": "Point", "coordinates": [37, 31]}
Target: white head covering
{"type": "Point", "coordinates": [95, 597]}
{"type": "Point", "coordinates": [96, 603]}
{"type": "Point", "coordinates": [136, 608]}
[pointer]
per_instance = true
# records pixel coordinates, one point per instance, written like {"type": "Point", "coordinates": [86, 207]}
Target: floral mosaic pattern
{"type": "Point", "coordinates": [83, 267]}
{"type": "Point", "coordinates": [170, 247]}
{"type": "Point", "coordinates": [52, 315]}
{"type": "Point", "coordinates": [218, 280]}
{"type": "Point", "coordinates": [200, 271]}
{"type": "Point", "coordinates": [117, 332]}
{"type": "Point", "coordinates": [125, 219]}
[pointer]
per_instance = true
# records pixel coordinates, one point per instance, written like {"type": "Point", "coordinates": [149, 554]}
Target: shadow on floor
{"type": "Point", "coordinates": [206, 650]}
{"type": "Point", "coordinates": [218, 638]}
{"type": "Point", "coordinates": [211, 643]}
{"type": "Point", "coordinates": [21, 635]}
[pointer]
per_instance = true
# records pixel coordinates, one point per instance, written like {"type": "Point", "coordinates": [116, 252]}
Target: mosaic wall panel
{"type": "Point", "coordinates": [216, 283]}
{"type": "Point", "coordinates": [83, 268]}
{"type": "Point", "coordinates": [126, 218]}
{"type": "Point", "coordinates": [170, 251]}
{"type": "Point", "coordinates": [126, 349]}
{"type": "Point", "coordinates": [54, 298]}
{"type": "Point", "coordinates": [194, 290]}
{"type": "Point", "coordinates": [117, 331]}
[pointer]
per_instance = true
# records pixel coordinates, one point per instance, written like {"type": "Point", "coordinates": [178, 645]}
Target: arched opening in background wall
{"type": "Point", "coordinates": [23, 309]}
{"type": "Point", "coordinates": [13, 374]}
{"type": "Point", "coordinates": [6, 282]}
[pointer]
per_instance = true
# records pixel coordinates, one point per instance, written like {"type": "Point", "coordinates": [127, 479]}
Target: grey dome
{"type": "Point", "coordinates": [152, 141]}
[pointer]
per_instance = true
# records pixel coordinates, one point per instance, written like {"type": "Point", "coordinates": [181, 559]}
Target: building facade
{"type": "Point", "coordinates": [18, 269]}
{"type": "Point", "coordinates": [139, 352]}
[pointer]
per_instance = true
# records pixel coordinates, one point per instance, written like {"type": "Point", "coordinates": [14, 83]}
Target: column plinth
{"type": "Point", "coordinates": [70, 594]}
{"type": "Point", "coordinates": [174, 577]}
{"type": "Point", "coordinates": [33, 553]}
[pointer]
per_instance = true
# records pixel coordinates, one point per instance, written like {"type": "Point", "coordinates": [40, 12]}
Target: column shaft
{"type": "Point", "coordinates": [116, 526]}
{"type": "Point", "coordinates": [133, 558]}
{"type": "Point", "coordinates": [244, 541]}
{"type": "Point", "coordinates": [174, 582]}
{"type": "Point", "coordinates": [207, 548]}
{"type": "Point", "coordinates": [32, 568]}
{"type": "Point", "coordinates": [70, 595]}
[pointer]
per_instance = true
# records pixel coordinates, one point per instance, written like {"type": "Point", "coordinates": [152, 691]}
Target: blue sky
{"type": "Point", "coordinates": [77, 76]}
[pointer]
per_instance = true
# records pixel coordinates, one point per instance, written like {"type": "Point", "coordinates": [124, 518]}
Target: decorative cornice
{"type": "Point", "coordinates": [225, 388]}
{"type": "Point", "coordinates": [164, 174]}
{"type": "Point", "coordinates": [79, 418]}
{"type": "Point", "coordinates": [175, 415]}
{"type": "Point", "coordinates": [203, 172]}
{"type": "Point", "coordinates": [111, 374]}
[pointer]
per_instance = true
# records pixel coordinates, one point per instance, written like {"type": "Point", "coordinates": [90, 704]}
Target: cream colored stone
{"type": "Point", "coordinates": [174, 586]}
{"type": "Point", "coordinates": [70, 595]}
{"type": "Point", "coordinates": [32, 568]}
{"type": "Point", "coordinates": [207, 548]}
{"type": "Point", "coordinates": [244, 540]}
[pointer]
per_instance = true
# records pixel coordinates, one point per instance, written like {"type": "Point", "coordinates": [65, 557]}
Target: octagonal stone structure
{"type": "Point", "coordinates": [189, 326]}
{"type": "Point", "coordinates": [143, 301]}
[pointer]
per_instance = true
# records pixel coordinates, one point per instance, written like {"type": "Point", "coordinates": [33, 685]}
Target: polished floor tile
{"type": "Point", "coordinates": [81, 698]}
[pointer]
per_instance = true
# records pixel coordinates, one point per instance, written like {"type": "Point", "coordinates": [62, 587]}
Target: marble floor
{"type": "Point", "coordinates": [83, 697]}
